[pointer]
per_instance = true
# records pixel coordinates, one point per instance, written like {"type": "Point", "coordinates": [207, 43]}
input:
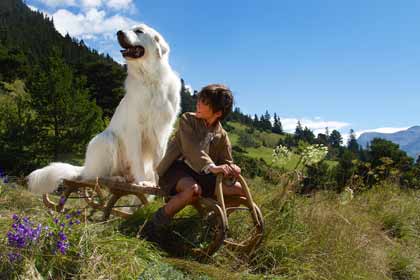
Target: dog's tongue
{"type": "Point", "coordinates": [134, 52]}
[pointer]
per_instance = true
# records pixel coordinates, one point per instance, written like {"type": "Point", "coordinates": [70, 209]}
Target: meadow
{"type": "Point", "coordinates": [373, 235]}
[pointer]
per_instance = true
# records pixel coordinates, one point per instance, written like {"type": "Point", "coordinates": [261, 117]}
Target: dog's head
{"type": "Point", "coordinates": [142, 42]}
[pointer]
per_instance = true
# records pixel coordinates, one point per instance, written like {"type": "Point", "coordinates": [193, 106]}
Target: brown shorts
{"type": "Point", "coordinates": [178, 170]}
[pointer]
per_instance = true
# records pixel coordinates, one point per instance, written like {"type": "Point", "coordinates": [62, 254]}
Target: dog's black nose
{"type": "Point", "coordinates": [123, 40]}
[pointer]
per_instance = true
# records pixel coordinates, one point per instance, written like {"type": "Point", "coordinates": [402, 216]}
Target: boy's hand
{"type": "Point", "coordinates": [236, 170]}
{"type": "Point", "coordinates": [226, 169]}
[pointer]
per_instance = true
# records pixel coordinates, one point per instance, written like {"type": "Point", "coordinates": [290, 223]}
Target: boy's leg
{"type": "Point", "coordinates": [235, 189]}
{"type": "Point", "coordinates": [187, 193]}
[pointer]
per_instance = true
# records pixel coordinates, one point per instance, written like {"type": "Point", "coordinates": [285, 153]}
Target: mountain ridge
{"type": "Point", "coordinates": [408, 140]}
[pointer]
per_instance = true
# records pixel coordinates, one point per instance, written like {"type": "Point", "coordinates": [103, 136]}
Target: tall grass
{"type": "Point", "coordinates": [376, 235]}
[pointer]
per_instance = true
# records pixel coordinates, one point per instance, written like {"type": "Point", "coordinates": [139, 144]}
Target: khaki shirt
{"type": "Point", "coordinates": [197, 145]}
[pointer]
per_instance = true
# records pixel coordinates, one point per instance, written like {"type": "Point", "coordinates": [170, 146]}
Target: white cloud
{"type": "Point", "coordinates": [120, 4]}
{"type": "Point", "coordinates": [189, 88]}
{"type": "Point", "coordinates": [33, 8]}
{"type": "Point", "coordinates": [317, 125]}
{"type": "Point", "coordinates": [91, 24]}
{"type": "Point", "coordinates": [56, 3]}
{"type": "Point", "coordinates": [91, 3]}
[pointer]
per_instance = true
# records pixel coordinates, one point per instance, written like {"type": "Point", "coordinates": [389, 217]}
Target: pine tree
{"type": "Point", "coordinates": [66, 118]}
{"type": "Point", "coordinates": [308, 136]}
{"type": "Point", "coordinates": [335, 139]}
{"type": "Point", "coordinates": [16, 129]}
{"type": "Point", "coordinates": [187, 99]}
{"type": "Point", "coordinates": [298, 132]}
{"type": "Point", "coordinates": [267, 121]}
{"type": "Point", "coordinates": [256, 122]}
{"type": "Point", "coordinates": [352, 144]}
{"type": "Point", "coordinates": [277, 126]}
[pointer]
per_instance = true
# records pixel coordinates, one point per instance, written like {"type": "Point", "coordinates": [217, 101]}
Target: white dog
{"type": "Point", "coordinates": [136, 138]}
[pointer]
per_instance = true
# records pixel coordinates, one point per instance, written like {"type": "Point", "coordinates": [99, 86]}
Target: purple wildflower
{"type": "Point", "coordinates": [27, 221]}
{"type": "Point", "coordinates": [62, 246]}
{"type": "Point", "coordinates": [68, 216]}
{"type": "Point", "coordinates": [55, 220]}
{"type": "Point", "coordinates": [23, 233]}
{"type": "Point", "coordinates": [62, 200]}
{"type": "Point", "coordinates": [14, 257]}
{"type": "Point", "coordinates": [62, 236]}
{"type": "Point", "coordinates": [77, 222]}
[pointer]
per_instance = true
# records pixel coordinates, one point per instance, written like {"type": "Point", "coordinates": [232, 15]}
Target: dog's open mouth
{"type": "Point", "coordinates": [133, 52]}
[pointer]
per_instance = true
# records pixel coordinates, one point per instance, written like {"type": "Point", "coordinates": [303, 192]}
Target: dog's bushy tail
{"type": "Point", "coordinates": [47, 179]}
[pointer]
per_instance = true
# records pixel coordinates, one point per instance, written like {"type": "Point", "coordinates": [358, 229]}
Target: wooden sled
{"type": "Point", "coordinates": [214, 213]}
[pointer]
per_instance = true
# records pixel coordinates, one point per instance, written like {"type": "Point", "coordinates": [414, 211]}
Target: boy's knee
{"type": "Point", "coordinates": [194, 193]}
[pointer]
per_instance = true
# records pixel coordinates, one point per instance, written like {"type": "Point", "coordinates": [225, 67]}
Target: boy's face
{"type": "Point", "coordinates": [204, 111]}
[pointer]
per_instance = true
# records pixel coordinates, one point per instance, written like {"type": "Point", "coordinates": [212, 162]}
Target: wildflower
{"type": "Point", "coordinates": [14, 257]}
{"type": "Point", "coordinates": [62, 200]}
{"type": "Point", "coordinates": [280, 153]}
{"type": "Point", "coordinates": [23, 233]}
{"type": "Point", "coordinates": [314, 153]}
{"type": "Point", "coordinates": [62, 246]}
{"type": "Point", "coordinates": [62, 236]}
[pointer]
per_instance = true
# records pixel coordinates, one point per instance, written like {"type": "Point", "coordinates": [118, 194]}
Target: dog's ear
{"type": "Point", "coordinates": [163, 46]}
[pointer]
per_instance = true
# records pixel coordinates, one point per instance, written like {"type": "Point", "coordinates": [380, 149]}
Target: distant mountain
{"type": "Point", "coordinates": [409, 140]}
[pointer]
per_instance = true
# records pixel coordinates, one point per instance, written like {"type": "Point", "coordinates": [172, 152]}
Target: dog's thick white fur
{"type": "Point", "coordinates": [136, 138]}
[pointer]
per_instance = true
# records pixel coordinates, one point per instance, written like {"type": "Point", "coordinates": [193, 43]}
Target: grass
{"type": "Point", "coordinates": [376, 235]}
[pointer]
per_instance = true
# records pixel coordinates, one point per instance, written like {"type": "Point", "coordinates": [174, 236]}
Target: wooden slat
{"type": "Point", "coordinates": [143, 187]}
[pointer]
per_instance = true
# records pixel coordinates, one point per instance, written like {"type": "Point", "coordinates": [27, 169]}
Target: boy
{"type": "Point", "coordinates": [198, 152]}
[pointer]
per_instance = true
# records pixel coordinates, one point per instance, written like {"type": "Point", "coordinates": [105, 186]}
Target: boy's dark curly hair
{"type": "Point", "coordinates": [218, 97]}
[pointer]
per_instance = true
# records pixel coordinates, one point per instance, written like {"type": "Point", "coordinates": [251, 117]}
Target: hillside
{"type": "Point", "coordinates": [409, 140]}
{"type": "Point", "coordinates": [28, 39]}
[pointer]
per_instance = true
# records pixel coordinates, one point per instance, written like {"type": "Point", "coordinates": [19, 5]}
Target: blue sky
{"type": "Point", "coordinates": [342, 64]}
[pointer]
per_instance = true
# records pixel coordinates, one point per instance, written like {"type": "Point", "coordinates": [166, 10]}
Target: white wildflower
{"type": "Point", "coordinates": [281, 153]}
{"type": "Point", "coordinates": [314, 153]}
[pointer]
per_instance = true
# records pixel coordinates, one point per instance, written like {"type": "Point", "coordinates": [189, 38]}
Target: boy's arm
{"type": "Point", "coordinates": [225, 160]}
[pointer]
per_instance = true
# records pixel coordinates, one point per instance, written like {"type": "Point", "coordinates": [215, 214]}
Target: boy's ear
{"type": "Point", "coordinates": [218, 114]}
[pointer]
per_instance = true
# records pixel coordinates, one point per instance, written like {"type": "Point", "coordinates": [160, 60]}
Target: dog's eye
{"type": "Point", "coordinates": [139, 31]}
